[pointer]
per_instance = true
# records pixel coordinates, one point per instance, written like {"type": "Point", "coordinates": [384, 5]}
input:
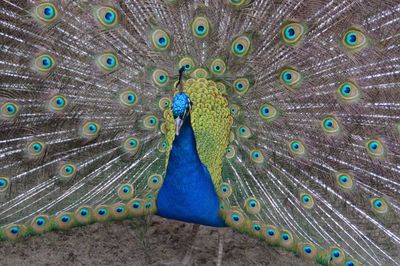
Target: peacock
{"type": "Point", "coordinates": [277, 118]}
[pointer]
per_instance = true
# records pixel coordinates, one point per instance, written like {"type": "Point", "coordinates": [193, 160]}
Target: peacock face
{"type": "Point", "coordinates": [181, 106]}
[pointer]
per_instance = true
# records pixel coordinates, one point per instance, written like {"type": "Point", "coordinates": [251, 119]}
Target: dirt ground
{"type": "Point", "coordinates": [133, 242]}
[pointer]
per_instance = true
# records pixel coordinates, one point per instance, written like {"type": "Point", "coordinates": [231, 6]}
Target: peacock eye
{"type": "Point", "coordinates": [218, 67]}
{"type": "Point", "coordinates": [307, 200]}
{"type": "Point", "coordinates": [268, 112]}
{"type": "Point", "coordinates": [131, 145]}
{"type": "Point", "coordinates": [107, 62]}
{"type": "Point", "coordinates": [160, 40]}
{"type": "Point", "coordinates": [200, 27]}
{"type": "Point", "coordinates": [9, 110]}
{"type": "Point", "coordinates": [296, 148]}
{"type": "Point", "coordinates": [43, 63]}
{"type": "Point", "coordinates": [58, 103]}
{"type": "Point", "coordinates": [241, 86]}
{"type": "Point", "coordinates": [330, 125]}
{"type": "Point", "coordinates": [290, 77]}
{"type": "Point", "coordinates": [307, 249]}
{"type": "Point", "coordinates": [46, 13]}
{"type": "Point", "coordinates": [160, 77]}
{"type": "Point", "coordinates": [155, 181]}
{"type": "Point", "coordinates": [224, 190]}
{"type": "Point", "coordinates": [188, 64]}
{"type": "Point", "coordinates": [241, 46]}
{"type": "Point", "coordinates": [164, 103]}
{"type": "Point", "coordinates": [238, 3]}
{"type": "Point", "coordinates": [107, 16]}
{"type": "Point", "coordinates": [349, 92]}
{"type": "Point", "coordinates": [375, 148]}
{"type": "Point", "coordinates": [66, 171]}
{"type": "Point", "coordinates": [65, 219]}
{"type": "Point", "coordinates": [244, 132]}
{"type": "Point", "coordinates": [4, 183]}
{"type": "Point", "coordinates": [379, 205]}
{"type": "Point", "coordinates": [90, 129]}
{"type": "Point", "coordinates": [354, 39]}
{"type": "Point", "coordinates": [128, 98]}
{"type": "Point", "coordinates": [292, 32]}
{"type": "Point", "coordinates": [252, 206]}
{"type": "Point", "coordinates": [35, 149]}
{"type": "Point", "coordinates": [256, 156]}
{"type": "Point", "coordinates": [344, 180]}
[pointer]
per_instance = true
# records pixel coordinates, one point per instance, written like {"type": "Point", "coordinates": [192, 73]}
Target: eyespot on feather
{"type": "Point", "coordinates": [286, 239]}
{"type": "Point", "coordinates": [243, 132]}
{"type": "Point", "coordinates": [234, 218]}
{"type": "Point", "coordinates": [135, 207]}
{"type": "Point", "coordinates": [268, 112]}
{"type": "Point", "coordinates": [9, 110]}
{"type": "Point", "coordinates": [252, 206]}
{"type": "Point", "coordinates": [40, 224]}
{"type": "Point", "coordinates": [307, 251]}
{"type": "Point", "coordinates": [15, 231]}
{"type": "Point", "coordinates": [375, 148]}
{"type": "Point", "coordinates": [290, 77]}
{"type": "Point", "coordinates": [160, 40]}
{"type": "Point", "coordinates": [107, 62]}
{"type": "Point", "coordinates": [58, 103]}
{"type": "Point", "coordinates": [43, 63]}
{"type": "Point", "coordinates": [292, 32]}
{"type": "Point", "coordinates": [379, 205]}
{"type": "Point", "coordinates": [345, 180]}
{"type": "Point", "coordinates": [188, 63]}
{"type": "Point", "coordinates": [131, 145]}
{"type": "Point", "coordinates": [90, 130]}
{"type": "Point", "coordinates": [241, 46]}
{"type": "Point", "coordinates": [330, 125]}
{"type": "Point", "coordinates": [83, 214]}
{"type": "Point", "coordinates": [296, 148]}
{"type": "Point", "coordinates": [46, 13]}
{"type": "Point", "coordinates": [271, 234]}
{"type": "Point", "coordinates": [106, 16]}
{"type": "Point", "coordinates": [224, 190]}
{"type": "Point", "coordinates": [102, 213]}
{"type": "Point", "coordinates": [337, 256]}
{"type": "Point", "coordinates": [307, 200]}
{"type": "Point", "coordinates": [256, 156]}
{"type": "Point", "coordinates": [66, 171]}
{"type": "Point", "coordinates": [125, 191]}
{"type": "Point", "coordinates": [5, 183]}
{"type": "Point", "coordinates": [348, 92]}
{"type": "Point", "coordinates": [36, 149]}
{"type": "Point", "coordinates": [128, 98]}
{"type": "Point", "coordinates": [201, 27]}
{"type": "Point", "coordinates": [218, 67]}
{"type": "Point", "coordinates": [64, 220]}
{"type": "Point", "coordinates": [160, 78]}
{"type": "Point", "coordinates": [155, 181]}
{"type": "Point", "coordinates": [354, 39]}
{"type": "Point", "coordinates": [230, 152]}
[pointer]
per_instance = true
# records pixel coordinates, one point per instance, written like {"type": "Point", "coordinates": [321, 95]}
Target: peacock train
{"type": "Point", "coordinates": [279, 119]}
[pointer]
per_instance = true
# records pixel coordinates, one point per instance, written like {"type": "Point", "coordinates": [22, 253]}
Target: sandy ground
{"type": "Point", "coordinates": [132, 242]}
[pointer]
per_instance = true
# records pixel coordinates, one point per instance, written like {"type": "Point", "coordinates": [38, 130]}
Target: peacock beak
{"type": "Point", "coordinates": [178, 125]}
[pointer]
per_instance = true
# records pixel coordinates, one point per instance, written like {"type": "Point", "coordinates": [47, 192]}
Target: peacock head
{"type": "Point", "coordinates": [181, 106]}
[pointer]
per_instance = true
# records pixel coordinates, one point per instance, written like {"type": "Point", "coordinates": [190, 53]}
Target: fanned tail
{"type": "Point", "coordinates": [313, 158]}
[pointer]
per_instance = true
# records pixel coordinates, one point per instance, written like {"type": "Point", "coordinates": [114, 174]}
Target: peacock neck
{"type": "Point", "coordinates": [188, 193]}
{"type": "Point", "coordinates": [184, 151]}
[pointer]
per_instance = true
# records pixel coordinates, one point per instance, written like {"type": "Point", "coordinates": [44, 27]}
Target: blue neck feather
{"type": "Point", "coordinates": [188, 193]}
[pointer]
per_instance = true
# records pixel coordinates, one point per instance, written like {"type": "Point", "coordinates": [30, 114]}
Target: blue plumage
{"type": "Point", "coordinates": [188, 193]}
